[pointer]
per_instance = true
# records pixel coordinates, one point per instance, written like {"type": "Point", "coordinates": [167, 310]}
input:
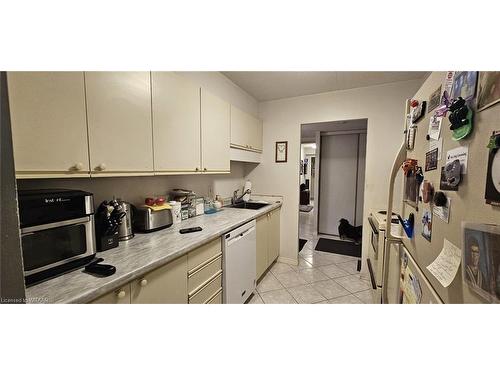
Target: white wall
{"type": "Point", "coordinates": [134, 189]}
{"type": "Point", "coordinates": [382, 105]}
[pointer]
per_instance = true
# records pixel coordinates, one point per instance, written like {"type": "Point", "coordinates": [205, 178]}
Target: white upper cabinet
{"type": "Point", "coordinates": [246, 131]}
{"type": "Point", "coordinates": [49, 127]}
{"type": "Point", "coordinates": [119, 122]}
{"type": "Point", "coordinates": [215, 133]}
{"type": "Point", "coordinates": [176, 124]}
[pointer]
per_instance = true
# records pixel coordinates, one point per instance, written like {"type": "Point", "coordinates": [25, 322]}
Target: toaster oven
{"type": "Point", "coordinates": [57, 231]}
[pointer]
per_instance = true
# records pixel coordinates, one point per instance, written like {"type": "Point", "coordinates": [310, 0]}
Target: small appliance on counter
{"type": "Point", "coordinates": [125, 231]}
{"type": "Point", "coordinates": [149, 219]}
{"type": "Point", "coordinates": [109, 217]}
{"type": "Point", "coordinates": [57, 231]}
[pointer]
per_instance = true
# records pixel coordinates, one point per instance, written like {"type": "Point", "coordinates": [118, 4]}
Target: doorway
{"type": "Point", "coordinates": [341, 190]}
{"type": "Point", "coordinates": [332, 176]}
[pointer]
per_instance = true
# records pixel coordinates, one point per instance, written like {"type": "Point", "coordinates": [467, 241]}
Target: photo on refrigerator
{"type": "Point", "coordinates": [481, 259]}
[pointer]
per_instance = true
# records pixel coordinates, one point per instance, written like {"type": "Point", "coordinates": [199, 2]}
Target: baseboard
{"type": "Point", "coordinates": [293, 262]}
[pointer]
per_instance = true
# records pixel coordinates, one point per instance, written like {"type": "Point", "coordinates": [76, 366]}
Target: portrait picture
{"type": "Point", "coordinates": [489, 89]}
{"type": "Point", "coordinates": [464, 85]}
{"type": "Point", "coordinates": [481, 259]}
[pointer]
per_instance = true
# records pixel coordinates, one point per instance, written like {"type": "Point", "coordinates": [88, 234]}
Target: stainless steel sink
{"type": "Point", "coordinates": [250, 205]}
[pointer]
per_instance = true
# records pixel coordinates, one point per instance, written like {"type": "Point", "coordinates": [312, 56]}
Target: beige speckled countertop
{"type": "Point", "coordinates": [140, 255]}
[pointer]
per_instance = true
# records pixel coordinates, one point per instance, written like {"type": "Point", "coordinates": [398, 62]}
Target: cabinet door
{"type": "Point", "coordinates": [246, 130]}
{"type": "Point", "coordinates": [239, 128]}
{"type": "Point", "coordinates": [274, 235]}
{"type": "Point", "coordinates": [256, 135]}
{"type": "Point", "coordinates": [49, 124]}
{"type": "Point", "coordinates": [215, 133]}
{"type": "Point", "coordinates": [176, 124]}
{"type": "Point", "coordinates": [119, 121]}
{"type": "Point", "coordinates": [118, 296]}
{"type": "Point", "coordinates": [167, 284]}
{"type": "Point", "coordinates": [262, 232]}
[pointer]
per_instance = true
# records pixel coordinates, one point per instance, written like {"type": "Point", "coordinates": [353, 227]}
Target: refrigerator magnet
{"type": "Point", "coordinates": [492, 188]}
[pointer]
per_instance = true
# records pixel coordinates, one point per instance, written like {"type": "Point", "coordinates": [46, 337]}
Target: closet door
{"type": "Point", "coordinates": [119, 118]}
{"type": "Point", "coordinates": [338, 167]}
{"type": "Point", "coordinates": [176, 124]}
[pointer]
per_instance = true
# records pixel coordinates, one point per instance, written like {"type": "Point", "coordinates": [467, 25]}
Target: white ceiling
{"type": "Point", "coordinates": [277, 85]}
{"type": "Point", "coordinates": [308, 131]}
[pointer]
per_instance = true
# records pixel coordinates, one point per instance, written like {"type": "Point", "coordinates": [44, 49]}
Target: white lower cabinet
{"type": "Point", "coordinates": [192, 278]}
{"type": "Point", "coordinates": [268, 240]}
{"type": "Point", "coordinates": [205, 273]}
{"type": "Point", "coordinates": [167, 284]}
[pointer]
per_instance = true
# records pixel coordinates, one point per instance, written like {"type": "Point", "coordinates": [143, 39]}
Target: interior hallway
{"type": "Point", "coordinates": [319, 277]}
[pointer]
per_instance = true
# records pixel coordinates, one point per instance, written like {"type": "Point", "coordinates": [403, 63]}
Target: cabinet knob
{"type": "Point", "coordinates": [143, 282]}
{"type": "Point", "coordinates": [101, 167]}
{"type": "Point", "coordinates": [205, 169]}
{"type": "Point", "coordinates": [197, 169]}
{"type": "Point", "coordinates": [120, 294]}
{"type": "Point", "coordinates": [77, 167]}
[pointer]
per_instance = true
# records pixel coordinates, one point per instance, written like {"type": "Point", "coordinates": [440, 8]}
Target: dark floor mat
{"type": "Point", "coordinates": [339, 247]}
{"type": "Point", "coordinates": [301, 243]}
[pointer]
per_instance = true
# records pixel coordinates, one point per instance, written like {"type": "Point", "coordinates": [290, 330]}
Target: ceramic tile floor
{"type": "Point", "coordinates": [318, 278]}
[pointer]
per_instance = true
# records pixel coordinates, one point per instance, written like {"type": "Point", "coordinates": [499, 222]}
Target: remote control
{"type": "Point", "coordinates": [189, 230]}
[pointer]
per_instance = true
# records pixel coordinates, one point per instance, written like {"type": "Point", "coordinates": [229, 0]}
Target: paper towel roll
{"type": "Point", "coordinates": [248, 186]}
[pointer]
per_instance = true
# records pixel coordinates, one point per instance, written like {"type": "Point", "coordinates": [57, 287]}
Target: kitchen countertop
{"type": "Point", "coordinates": [143, 253]}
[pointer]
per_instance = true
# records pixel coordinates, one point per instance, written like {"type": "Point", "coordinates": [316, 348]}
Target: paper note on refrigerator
{"type": "Point", "coordinates": [445, 266]}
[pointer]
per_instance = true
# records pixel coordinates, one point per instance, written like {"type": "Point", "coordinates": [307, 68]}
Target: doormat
{"type": "Point", "coordinates": [339, 247]}
{"type": "Point", "coordinates": [301, 243]}
{"type": "Point", "coordinates": [305, 208]}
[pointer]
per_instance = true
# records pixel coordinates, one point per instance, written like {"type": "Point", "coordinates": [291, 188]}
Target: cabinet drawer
{"type": "Point", "coordinates": [202, 255]}
{"type": "Point", "coordinates": [201, 275]}
{"type": "Point", "coordinates": [207, 291]}
{"type": "Point", "coordinates": [217, 299]}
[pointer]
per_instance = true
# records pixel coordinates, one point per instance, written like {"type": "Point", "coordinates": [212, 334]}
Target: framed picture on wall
{"type": "Point", "coordinates": [281, 152]}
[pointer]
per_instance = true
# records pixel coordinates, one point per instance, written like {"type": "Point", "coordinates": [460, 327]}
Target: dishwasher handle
{"type": "Point", "coordinates": [239, 236]}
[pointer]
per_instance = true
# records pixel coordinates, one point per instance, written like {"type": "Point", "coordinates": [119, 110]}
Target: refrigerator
{"type": "Point", "coordinates": [470, 218]}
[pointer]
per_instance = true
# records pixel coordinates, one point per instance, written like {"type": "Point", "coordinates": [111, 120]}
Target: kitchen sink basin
{"type": "Point", "coordinates": [250, 205]}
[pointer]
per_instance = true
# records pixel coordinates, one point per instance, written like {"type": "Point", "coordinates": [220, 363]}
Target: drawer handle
{"type": "Point", "coordinates": [143, 282]}
{"type": "Point", "coordinates": [214, 296]}
{"type": "Point", "coordinates": [205, 284]}
{"type": "Point", "coordinates": [204, 264]}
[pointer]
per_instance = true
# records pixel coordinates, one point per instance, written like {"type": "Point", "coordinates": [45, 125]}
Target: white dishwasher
{"type": "Point", "coordinates": [239, 254]}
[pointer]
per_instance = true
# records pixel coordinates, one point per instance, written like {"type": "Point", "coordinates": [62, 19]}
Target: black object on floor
{"type": "Point", "coordinates": [301, 243]}
{"type": "Point", "coordinates": [339, 247]}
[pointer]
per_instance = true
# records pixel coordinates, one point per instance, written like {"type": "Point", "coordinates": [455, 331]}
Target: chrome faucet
{"type": "Point", "coordinates": [237, 199]}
